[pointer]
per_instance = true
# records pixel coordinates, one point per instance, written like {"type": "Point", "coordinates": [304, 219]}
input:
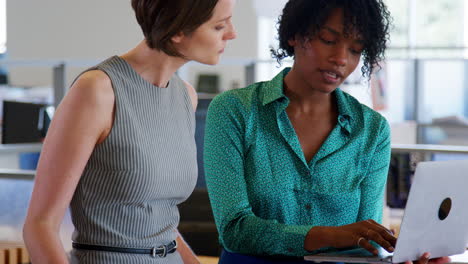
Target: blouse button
{"type": "Point", "coordinates": [308, 207]}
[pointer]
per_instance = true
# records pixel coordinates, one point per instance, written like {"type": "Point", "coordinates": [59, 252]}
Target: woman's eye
{"type": "Point", "coordinates": [326, 41]}
{"type": "Point", "coordinates": [356, 52]}
{"type": "Point", "coordinates": [219, 28]}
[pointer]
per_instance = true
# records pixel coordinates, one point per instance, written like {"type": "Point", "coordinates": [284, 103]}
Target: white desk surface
{"type": "Point", "coordinates": [19, 148]}
{"type": "Point", "coordinates": [429, 148]}
{"type": "Point", "coordinates": [17, 174]}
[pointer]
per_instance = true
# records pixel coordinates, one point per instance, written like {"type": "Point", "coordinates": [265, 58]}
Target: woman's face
{"type": "Point", "coordinates": [208, 41]}
{"type": "Point", "coordinates": [327, 59]}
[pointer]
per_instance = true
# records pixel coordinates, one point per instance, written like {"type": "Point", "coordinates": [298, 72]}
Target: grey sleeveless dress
{"type": "Point", "coordinates": [133, 181]}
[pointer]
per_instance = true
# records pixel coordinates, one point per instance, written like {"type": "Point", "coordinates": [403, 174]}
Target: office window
{"type": "Point", "coordinates": [3, 28]}
{"type": "Point", "coordinates": [399, 11]}
{"type": "Point", "coordinates": [432, 32]}
{"type": "Point", "coordinates": [267, 68]}
{"type": "Point", "coordinates": [438, 23]}
{"type": "Point", "coordinates": [442, 95]}
{"type": "Point", "coordinates": [423, 25]}
{"type": "Point", "coordinates": [441, 24]}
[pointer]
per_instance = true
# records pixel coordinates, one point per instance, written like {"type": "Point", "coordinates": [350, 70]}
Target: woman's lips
{"type": "Point", "coordinates": [331, 77]}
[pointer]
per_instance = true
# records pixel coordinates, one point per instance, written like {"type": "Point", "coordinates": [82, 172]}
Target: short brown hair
{"type": "Point", "coordinates": [160, 20]}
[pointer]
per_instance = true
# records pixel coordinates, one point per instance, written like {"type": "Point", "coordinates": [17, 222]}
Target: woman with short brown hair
{"type": "Point", "coordinates": [120, 150]}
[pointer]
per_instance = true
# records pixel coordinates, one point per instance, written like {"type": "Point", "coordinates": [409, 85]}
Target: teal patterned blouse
{"type": "Point", "coordinates": [264, 194]}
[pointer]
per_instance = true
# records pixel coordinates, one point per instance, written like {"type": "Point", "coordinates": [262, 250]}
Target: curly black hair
{"type": "Point", "coordinates": [304, 18]}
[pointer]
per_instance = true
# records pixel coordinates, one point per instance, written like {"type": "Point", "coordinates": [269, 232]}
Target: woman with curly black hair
{"type": "Point", "coordinates": [295, 165]}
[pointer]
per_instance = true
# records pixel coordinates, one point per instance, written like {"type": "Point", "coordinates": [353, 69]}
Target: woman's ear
{"type": "Point", "coordinates": [178, 38]}
{"type": "Point", "coordinates": [292, 42]}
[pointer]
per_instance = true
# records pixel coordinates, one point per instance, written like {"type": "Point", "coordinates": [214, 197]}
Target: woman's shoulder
{"type": "Point", "coordinates": [94, 76]}
{"type": "Point", "coordinates": [243, 98]}
{"type": "Point", "coordinates": [93, 88]}
{"type": "Point", "coordinates": [93, 82]}
{"type": "Point", "coordinates": [363, 113]}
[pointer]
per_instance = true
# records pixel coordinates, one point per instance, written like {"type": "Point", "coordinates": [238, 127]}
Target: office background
{"type": "Point", "coordinates": [422, 88]}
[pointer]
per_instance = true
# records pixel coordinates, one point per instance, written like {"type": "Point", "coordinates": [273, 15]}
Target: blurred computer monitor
{"type": "Point", "coordinates": [200, 116]}
{"type": "Point", "coordinates": [24, 122]}
{"type": "Point", "coordinates": [208, 83]}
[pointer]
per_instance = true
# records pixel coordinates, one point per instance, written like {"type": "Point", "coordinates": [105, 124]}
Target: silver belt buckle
{"type": "Point", "coordinates": [163, 248]}
{"type": "Point", "coordinates": [164, 253]}
{"type": "Point", "coordinates": [153, 252]}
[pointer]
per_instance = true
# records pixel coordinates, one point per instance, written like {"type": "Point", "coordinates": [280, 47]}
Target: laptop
{"type": "Point", "coordinates": [435, 219]}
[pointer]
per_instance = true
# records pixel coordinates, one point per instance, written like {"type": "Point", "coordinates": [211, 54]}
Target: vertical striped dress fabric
{"type": "Point", "coordinates": [129, 191]}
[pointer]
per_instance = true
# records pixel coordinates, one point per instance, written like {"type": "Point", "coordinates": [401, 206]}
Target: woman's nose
{"type": "Point", "coordinates": [340, 55]}
{"type": "Point", "coordinates": [231, 34]}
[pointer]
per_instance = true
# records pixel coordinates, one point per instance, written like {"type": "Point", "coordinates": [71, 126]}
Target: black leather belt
{"type": "Point", "coordinates": [160, 251]}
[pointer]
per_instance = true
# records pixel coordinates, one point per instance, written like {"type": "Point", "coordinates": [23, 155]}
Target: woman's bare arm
{"type": "Point", "coordinates": [83, 119]}
{"type": "Point", "coordinates": [185, 251]}
{"type": "Point", "coordinates": [193, 95]}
